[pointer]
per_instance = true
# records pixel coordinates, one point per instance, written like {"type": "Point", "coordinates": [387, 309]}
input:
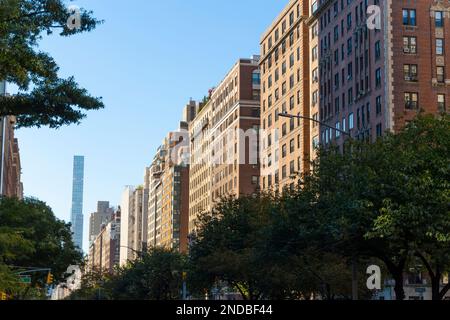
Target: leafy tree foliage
{"type": "Point", "coordinates": [52, 101]}
{"type": "Point", "coordinates": [390, 199]}
{"type": "Point", "coordinates": [155, 275]}
{"type": "Point", "coordinates": [33, 237]}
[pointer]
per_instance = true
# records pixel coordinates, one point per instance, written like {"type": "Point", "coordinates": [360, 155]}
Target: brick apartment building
{"type": "Point", "coordinates": [372, 81]}
{"type": "Point", "coordinates": [285, 89]}
{"type": "Point", "coordinates": [225, 141]}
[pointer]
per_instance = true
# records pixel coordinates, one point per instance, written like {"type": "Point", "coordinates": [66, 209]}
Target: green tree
{"type": "Point", "coordinates": [226, 247]}
{"type": "Point", "coordinates": [389, 199]}
{"type": "Point", "coordinates": [421, 216]}
{"type": "Point", "coordinates": [52, 101]}
{"type": "Point", "coordinates": [156, 275]}
{"type": "Point", "coordinates": [93, 286]}
{"type": "Point", "coordinates": [35, 238]}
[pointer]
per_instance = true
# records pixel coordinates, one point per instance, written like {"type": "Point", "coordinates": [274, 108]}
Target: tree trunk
{"type": "Point", "coordinates": [399, 290]}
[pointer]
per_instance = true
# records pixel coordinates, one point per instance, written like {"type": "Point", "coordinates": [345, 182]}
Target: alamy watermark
{"type": "Point", "coordinates": [374, 17]}
{"type": "Point", "coordinates": [374, 280]}
{"type": "Point", "coordinates": [74, 20]}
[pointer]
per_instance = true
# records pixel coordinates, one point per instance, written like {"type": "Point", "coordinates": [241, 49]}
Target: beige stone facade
{"type": "Point", "coordinates": [285, 76]}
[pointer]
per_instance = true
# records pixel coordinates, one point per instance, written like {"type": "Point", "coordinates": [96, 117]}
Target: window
{"type": "Point", "coordinates": [410, 72]}
{"type": "Point", "coordinates": [314, 6]}
{"type": "Point", "coordinates": [315, 142]}
{"type": "Point", "coordinates": [440, 72]}
{"type": "Point", "coordinates": [440, 47]}
{"type": "Point", "coordinates": [283, 130]}
{"type": "Point", "coordinates": [315, 31]}
{"type": "Point", "coordinates": [351, 124]}
{"type": "Point", "coordinates": [283, 151]}
{"type": "Point", "coordinates": [291, 103]}
{"type": "Point", "coordinates": [283, 172]}
{"type": "Point", "coordinates": [291, 60]}
{"type": "Point", "coordinates": [292, 167]}
{"type": "Point", "coordinates": [378, 78]}
{"type": "Point", "coordinates": [410, 45]}
{"type": "Point", "coordinates": [314, 97]}
{"type": "Point", "coordinates": [255, 180]}
{"type": "Point", "coordinates": [256, 78]}
{"type": "Point", "coordinates": [378, 105]}
{"type": "Point", "coordinates": [315, 75]}
{"type": "Point", "coordinates": [439, 19]}
{"type": "Point", "coordinates": [379, 130]}
{"type": "Point", "coordinates": [377, 50]}
{"type": "Point", "coordinates": [291, 146]}
{"type": "Point", "coordinates": [411, 100]}
{"type": "Point", "coordinates": [349, 21]}
{"type": "Point", "coordinates": [338, 128]}
{"type": "Point", "coordinates": [441, 102]}
{"type": "Point", "coordinates": [314, 53]}
{"type": "Point", "coordinates": [409, 17]}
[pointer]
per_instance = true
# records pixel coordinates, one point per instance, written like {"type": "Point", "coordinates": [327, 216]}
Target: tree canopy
{"type": "Point", "coordinates": [44, 98]}
{"type": "Point", "coordinates": [32, 237]}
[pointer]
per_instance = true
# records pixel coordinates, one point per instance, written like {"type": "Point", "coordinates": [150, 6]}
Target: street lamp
{"type": "Point", "coordinates": [290, 116]}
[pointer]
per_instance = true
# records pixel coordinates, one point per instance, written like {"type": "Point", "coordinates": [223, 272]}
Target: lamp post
{"type": "Point", "coordinates": [290, 116]}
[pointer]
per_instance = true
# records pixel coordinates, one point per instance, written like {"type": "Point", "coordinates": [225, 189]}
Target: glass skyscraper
{"type": "Point", "coordinates": [77, 201]}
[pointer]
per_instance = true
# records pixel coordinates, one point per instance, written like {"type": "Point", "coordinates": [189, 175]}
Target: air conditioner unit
{"type": "Point", "coordinates": [406, 50]}
{"type": "Point", "coordinates": [349, 77]}
{"type": "Point", "coordinates": [316, 79]}
{"type": "Point", "coordinates": [407, 78]}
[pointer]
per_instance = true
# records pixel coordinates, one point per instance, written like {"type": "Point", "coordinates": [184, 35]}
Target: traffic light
{"type": "Point", "coordinates": [49, 278]}
{"type": "Point", "coordinates": [3, 296]}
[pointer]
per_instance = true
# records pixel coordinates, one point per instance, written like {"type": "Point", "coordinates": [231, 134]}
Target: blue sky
{"type": "Point", "coordinates": [146, 61]}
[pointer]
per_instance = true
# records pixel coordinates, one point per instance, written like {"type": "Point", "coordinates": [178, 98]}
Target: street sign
{"type": "Point", "coordinates": [25, 279]}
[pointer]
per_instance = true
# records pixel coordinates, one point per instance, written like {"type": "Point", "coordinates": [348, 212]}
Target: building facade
{"type": "Point", "coordinates": [200, 174]}
{"type": "Point", "coordinates": [126, 252]}
{"type": "Point", "coordinates": [224, 140]}
{"type": "Point", "coordinates": [99, 218]}
{"type": "Point", "coordinates": [234, 137]}
{"type": "Point", "coordinates": [286, 149]}
{"type": "Point", "coordinates": [104, 251]}
{"type": "Point", "coordinates": [77, 201]}
{"type": "Point", "coordinates": [155, 198]}
{"type": "Point", "coordinates": [376, 78]}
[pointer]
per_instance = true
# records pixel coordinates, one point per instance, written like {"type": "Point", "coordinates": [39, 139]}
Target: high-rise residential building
{"type": "Point", "coordinates": [10, 168]}
{"type": "Point", "coordinates": [145, 208]}
{"type": "Point", "coordinates": [77, 201]}
{"type": "Point", "coordinates": [135, 218]}
{"type": "Point", "coordinates": [189, 111]}
{"type": "Point", "coordinates": [175, 191]}
{"type": "Point", "coordinates": [155, 199]}
{"type": "Point", "coordinates": [235, 123]}
{"type": "Point", "coordinates": [104, 251]}
{"type": "Point", "coordinates": [99, 218]}
{"type": "Point", "coordinates": [225, 140]}
{"type": "Point", "coordinates": [375, 78]}
{"type": "Point", "coordinates": [200, 174]}
{"type": "Point", "coordinates": [126, 252]}
{"type": "Point", "coordinates": [285, 151]}
{"type": "Point", "coordinates": [168, 201]}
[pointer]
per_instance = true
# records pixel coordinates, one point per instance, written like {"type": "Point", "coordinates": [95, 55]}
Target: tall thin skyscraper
{"type": "Point", "coordinates": [77, 201]}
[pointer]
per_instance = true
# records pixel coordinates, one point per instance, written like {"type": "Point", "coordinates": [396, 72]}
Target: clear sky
{"type": "Point", "coordinates": [146, 61]}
